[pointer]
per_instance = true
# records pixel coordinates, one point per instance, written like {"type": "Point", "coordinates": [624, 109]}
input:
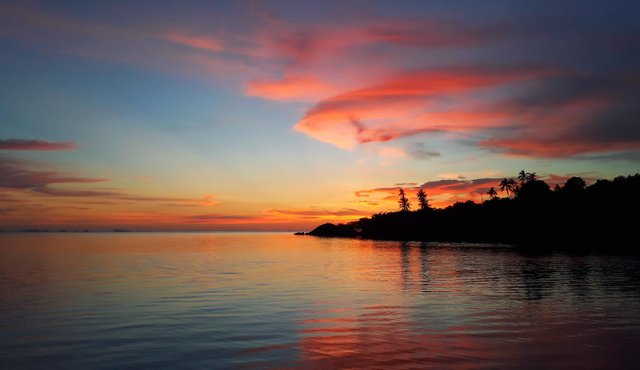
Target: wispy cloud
{"type": "Point", "coordinates": [19, 174]}
{"type": "Point", "coordinates": [202, 42]}
{"type": "Point", "coordinates": [315, 213]}
{"type": "Point", "coordinates": [421, 151]}
{"type": "Point", "coordinates": [218, 218]}
{"type": "Point", "coordinates": [144, 43]}
{"type": "Point", "coordinates": [35, 145]}
{"type": "Point", "coordinates": [16, 174]}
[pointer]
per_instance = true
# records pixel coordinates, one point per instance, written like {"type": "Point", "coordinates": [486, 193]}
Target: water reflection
{"type": "Point", "coordinates": [458, 322]}
{"type": "Point", "coordinates": [274, 300]}
{"type": "Point", "coordinates": [405, 258]}
{"type": "Point", "coordinates": [424, 250]}
{"type": "Point", "coordinates": [536, 278]}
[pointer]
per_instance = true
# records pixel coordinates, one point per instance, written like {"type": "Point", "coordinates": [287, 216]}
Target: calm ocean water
{"type": "Point", "coordinates": [234, 300]}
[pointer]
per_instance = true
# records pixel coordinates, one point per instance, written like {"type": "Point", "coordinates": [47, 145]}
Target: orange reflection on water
{"type": "Point", "coordinates": [391, 333]}
{"type": "Point", "coordinates": [386, 336]}
{"type": "Point", "coordinates": [277, 300]}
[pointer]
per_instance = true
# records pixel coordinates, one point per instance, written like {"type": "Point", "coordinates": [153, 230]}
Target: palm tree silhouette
{"type": "Point", "coordinates": [422, 199]}
{"type": "Point", "coordinates": [522, 177]}
{"type": "Point", "coordinates": [531, 176]}
{"type": "Point", "coordinates": [492, 193]}
{"type": "Point", "coordinates": [508, 186]}
{"type": "Point", "coordinates": [403, 202]}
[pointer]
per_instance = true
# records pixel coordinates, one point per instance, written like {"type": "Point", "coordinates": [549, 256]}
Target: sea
{"type": "Point", "coordinates": [279, 301]}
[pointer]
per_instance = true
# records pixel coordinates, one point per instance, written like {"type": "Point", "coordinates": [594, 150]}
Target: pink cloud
{"type": "Point", "coordinates": [564, 129]}
{"type": "Point", "coordinates": [429, 34]}
{"type": "Point", "coordinates": [291, 87]}
{"type": "Point", "coordinates": [553, 148]}
{"type": "Point", "coordinates": [304, 44]}
{"type": "Point", "coordinates": [409, 104]}
{"type": "Point", "coordinates": [202, 42]}
{"type": "Point", "coordinates": [27, 145]}
{"type": "Point", "coordinates": [368, 99]}
{"type": "Point", "coordinates": [144, 43]}
{"type": "Point", "coordinates": [554, 179]}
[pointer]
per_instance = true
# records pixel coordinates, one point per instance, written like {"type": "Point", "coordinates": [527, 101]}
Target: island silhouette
{"type": "Point", "coordinates": [602, 216]}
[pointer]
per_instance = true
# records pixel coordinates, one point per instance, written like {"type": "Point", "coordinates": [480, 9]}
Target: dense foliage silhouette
{"type": "Point", "coordinates": [603, 215]}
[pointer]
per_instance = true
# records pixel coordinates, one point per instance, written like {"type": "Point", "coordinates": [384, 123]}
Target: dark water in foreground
{"type": "Point", "coordinates": [279, 301]}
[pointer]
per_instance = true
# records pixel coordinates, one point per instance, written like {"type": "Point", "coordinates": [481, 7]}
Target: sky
{"type": "Point", "coordinates": [281, 115]}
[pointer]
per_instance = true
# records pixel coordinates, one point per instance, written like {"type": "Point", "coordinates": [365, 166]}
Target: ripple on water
{"type": "Point", "coordinates": [278, 301]}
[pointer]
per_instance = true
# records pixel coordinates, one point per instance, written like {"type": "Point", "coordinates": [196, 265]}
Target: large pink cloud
{"type": "Point", "coordinates": [380, 77]}
{"type": "Point", "coordinates": [412, 103]}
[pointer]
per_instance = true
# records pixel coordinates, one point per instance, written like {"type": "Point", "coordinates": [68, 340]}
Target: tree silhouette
{"type": "Point", "coordinates": [575, 184]}
{"type": "Point", "coordinates": [574, 216]}
{"type": "Point", "coordinates": [403, 202]}
{"type": "Point", "coordinates": [522, 177]}
{"type": "Point", "coordinates": [535, 192]}
{"type": "Point", "coordinates": [422, 199]}
{"type": "Point", "coordinates": [508, 186]}
{"type": "Point", "coordinates": [531, 176]}
{"type": "Point", "coordinates": [525, 177]}
{"type": "Point", "coordinates": [492, 193]}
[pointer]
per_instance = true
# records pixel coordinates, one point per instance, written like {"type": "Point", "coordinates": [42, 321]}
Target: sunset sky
{"type": "Point", "coordinates": [250, 115]}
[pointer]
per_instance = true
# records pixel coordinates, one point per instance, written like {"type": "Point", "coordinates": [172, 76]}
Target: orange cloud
{"type": "Point", "coordinates": [287, 216]}
{"type": "Point", "coordinates": [441, 193]}
{"type": "Point", "coordinates": [291, 87]}
{"type": "Point", "coordinates": [219, 218]}
{"type": "Point", "coordinates": [344, 213]}
{"type": "Point", "coordinates": [445, 192]}
{"type": "Point", "coordinates": [209, 200]}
